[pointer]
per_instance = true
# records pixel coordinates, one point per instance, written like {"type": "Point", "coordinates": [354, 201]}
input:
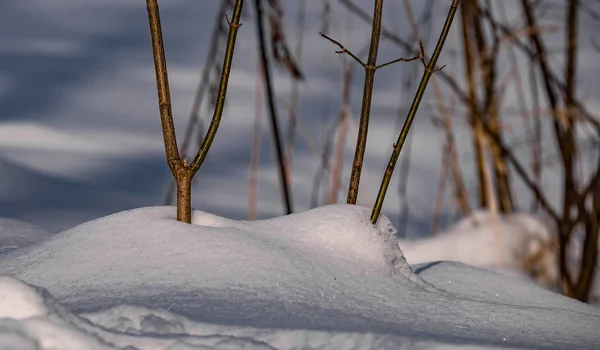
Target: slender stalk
{"type": "Point", "coordinates": [255, 152]}
{"type": "Point", "coordinates": [204, 83]}
{"type": "Point", "coordinates": [320, 177]}
{"type": "Point", "coordinates": [363, 127]}
{"type": "Point", "coordinates": [486, 58]}
{"type": "Point", "coordinates": [449, 153]}
{"type": "Point", "coordinates": [566, 146]}
{"type": "Point", "coordinates": [293, 112]}
{"type": "Point", "coordinates": [520, 93]}
{"type": "Point", "coordinates": [370, 67]}
{"type": "Point", "coordinates": [336, 171]}
{"type": "Point", "coordinates": [411, 113]}
{"type": "Point", "coordinates": [449, 159]}
{"type": "Point", "coordinates": [234, 26]}
{"type": "Point", "coordinates": [537, 150]}
{"type": "Point", "coordinates": [162, 86]}
{"type": "Point", "coordinates": [287, 197]}
{"type": "Point", "coordinates": [474, 117]}
{"type": "Point", "coordinates": [441, 189]}
{"type": "Point", "coordinates": [405, 162]}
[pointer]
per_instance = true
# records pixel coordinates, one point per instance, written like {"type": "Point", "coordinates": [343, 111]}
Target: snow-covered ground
{"type": "Point", "coordinates": [505, 243]}
{"type": "Point", "coordinates": [16, 234]}
{"type": "Point", "coordinates": [322, 279]}
{"type": "Point", "coordinates": [519, 245]}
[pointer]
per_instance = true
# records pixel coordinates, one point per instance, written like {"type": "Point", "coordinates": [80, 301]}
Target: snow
{"type": "Point", "coordinates": [519, 245]}
{"type": "Point", "coordinates": [322, 279]}
{"type": "Point", "coordinates": [484, 239]}
{"type": "Point", "coordinates": [16, 233]}
{"type": "Point", "coordinates": [50, 325]}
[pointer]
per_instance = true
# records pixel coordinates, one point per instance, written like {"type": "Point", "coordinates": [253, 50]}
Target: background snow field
{"type": "Point", "coordinates": [15, 234]}
{"type": "Point", "coordinates": [325, 278]}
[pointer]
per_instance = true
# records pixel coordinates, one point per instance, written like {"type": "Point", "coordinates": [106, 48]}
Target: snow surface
{"type": "Point", "coordinates": [15, 234]}
{"type": "Point", "coordinates": [488, 240]}
{"type": "Point", "coordinates": [502, 243]}
{"type": "Point", "coordinates": [325, 278]}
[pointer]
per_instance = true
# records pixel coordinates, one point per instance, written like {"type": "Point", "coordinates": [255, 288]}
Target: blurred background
{"type": "Point", "coordinates": [509, 125]}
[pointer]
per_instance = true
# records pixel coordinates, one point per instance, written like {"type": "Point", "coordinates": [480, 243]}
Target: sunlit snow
{"type": "Point", "coordinates": [322, 279]}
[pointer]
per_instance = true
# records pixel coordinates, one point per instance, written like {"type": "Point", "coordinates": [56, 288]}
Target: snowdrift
{"type": "Point", "coordinates": [15, 234]}
{"type": "Point", "coordinates": [504, 243]}
{"type": "Point", "coordinates": [519, 245]}
{"type": "Point", "coordinates": [325, 278]}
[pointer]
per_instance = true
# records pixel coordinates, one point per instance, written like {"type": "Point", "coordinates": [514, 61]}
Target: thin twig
{"type": "Point", "coordinates": [365, 112]}
{"type": "Point", "coordinates": [287, 197]}
{"type": "Point", "coordinates": [336, 171]}
{"type": "Point", "coordinates": [162, 85]}
{"type": "Point", "coordinates": [343, 49]}
{"type": "Point", "coordinates": [293, 110]}
{"type": "Point", "coordinates": [412, 113]}
{"type": "Point", "coordinates": [234, 25]}
{"type": "Point", "coordinates": [255, 152]}
{"type": "Point", "coordinates": [401, 59]}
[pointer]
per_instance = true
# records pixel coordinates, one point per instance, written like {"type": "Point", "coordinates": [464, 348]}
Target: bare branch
{"type": "Point", "coordinates": [343, 49]}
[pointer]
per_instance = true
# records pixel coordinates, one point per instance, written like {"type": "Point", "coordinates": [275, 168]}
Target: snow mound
{"type": "Point", "coordinates": [516, 242]}
{"type": "Point", "coordinates": [339, 236]}
{"type": "Point", "coordinates": [340, 232]}
{"type": "Point", "coordinates": [15, 234]}
{"type": "Point", "coordinates": [145, 253]}
{"type": "Point", "coordinates": [322, 279]}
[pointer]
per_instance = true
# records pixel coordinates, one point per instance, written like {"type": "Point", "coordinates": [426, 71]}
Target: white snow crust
{"type": "Point", "coordinates": [323, 279]}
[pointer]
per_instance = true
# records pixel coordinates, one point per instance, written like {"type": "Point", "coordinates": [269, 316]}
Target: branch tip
{"type": "Point", "coordinates": [342, 49]}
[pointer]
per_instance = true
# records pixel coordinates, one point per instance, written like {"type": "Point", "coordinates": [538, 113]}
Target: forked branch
{"type": "Point", "coordinates": [343, 49]}
{"type": "Point", "coordinates": [182, 172]}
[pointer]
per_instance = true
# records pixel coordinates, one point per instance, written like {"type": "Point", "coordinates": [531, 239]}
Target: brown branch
{"type": "Point", "coordinates": [285, 187]}
{"type": "Point", "coordinates": [520, 169]}
{"type": "Point", "coordinates": [487, 54]}
{"type": "Point", "coordinates": [293, 110]}
{"type": "Point", "coordinates": [471, 102]}
{"type": "Point", "coordinates": [255, 152]}
{"type": "Point", "coordinates": [365, 112]}
{"type": "Point", "coordinates": [343, 49]}
{"type": "Point", "coordinates": [162, 85]}
{"type": "Point", "coordinates": [534, 55]}
{"type": "Point", "coordinates": [397, 147]}
{"type": "Point", "coordinates": [419, 56]}
{"type": "Point", "coordinates": [344, 120]}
